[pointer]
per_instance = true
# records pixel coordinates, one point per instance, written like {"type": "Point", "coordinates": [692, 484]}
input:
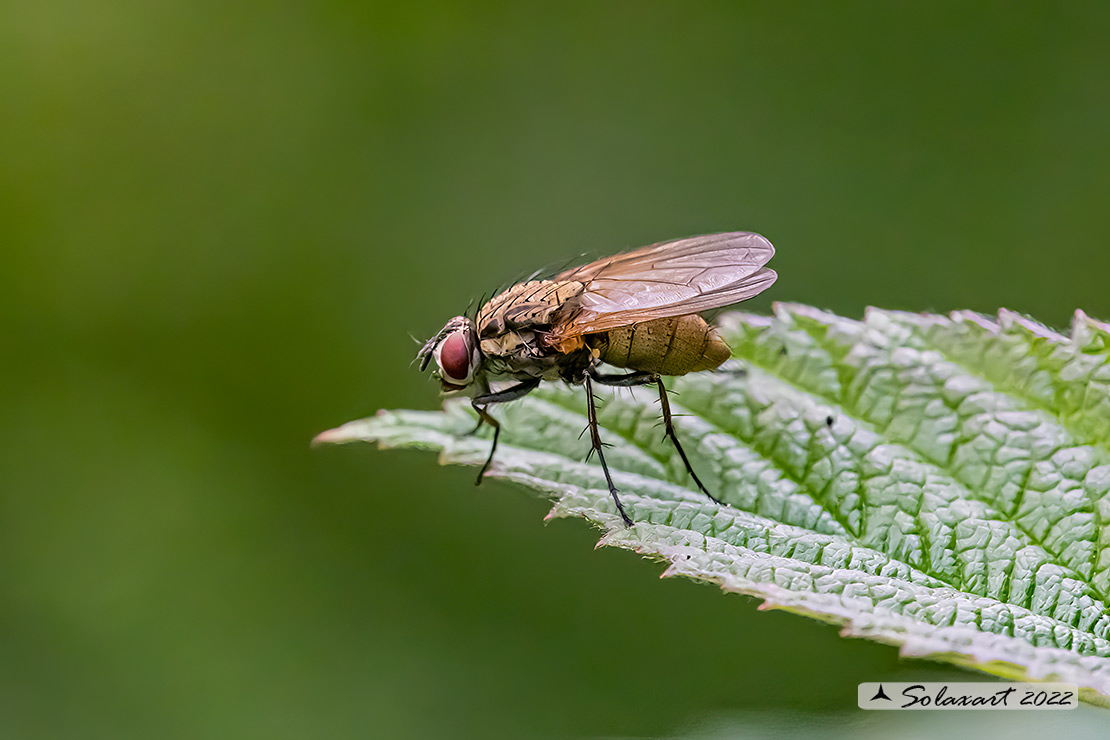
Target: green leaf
{"type": "Point", "coordinates": [937, 483]}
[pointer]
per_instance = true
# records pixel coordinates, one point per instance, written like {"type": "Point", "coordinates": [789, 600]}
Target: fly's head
{"type": "Point", "coordinates": [457, 354]}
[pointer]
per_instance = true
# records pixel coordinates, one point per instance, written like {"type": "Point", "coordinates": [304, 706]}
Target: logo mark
{"type": "Point", "coordinates": [880, 694]}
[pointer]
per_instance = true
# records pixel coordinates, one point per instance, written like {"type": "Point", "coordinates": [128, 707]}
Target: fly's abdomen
{"type": "Point", "coordinates": [671, 346]}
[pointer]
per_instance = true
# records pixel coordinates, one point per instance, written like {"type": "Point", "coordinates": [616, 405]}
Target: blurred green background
{"type": "Point", "coordinates": [223, 220]}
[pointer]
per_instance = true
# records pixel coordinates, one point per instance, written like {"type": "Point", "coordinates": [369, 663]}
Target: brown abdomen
{"type": "Point", "coordinates": [673, 346]}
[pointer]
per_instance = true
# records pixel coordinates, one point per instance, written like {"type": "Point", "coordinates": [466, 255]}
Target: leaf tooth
{"type": "Point", "coordinates": [1088, 335]}
{"type": "Point", "coordinates": [971, 317]}
{"type": "Point", "coordinates": [1008, 320]}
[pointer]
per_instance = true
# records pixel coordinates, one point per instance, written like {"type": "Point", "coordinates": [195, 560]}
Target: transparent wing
{"type": "Point", "coordinates": [668, 279]}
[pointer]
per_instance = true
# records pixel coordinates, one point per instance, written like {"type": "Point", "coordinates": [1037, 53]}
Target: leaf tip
{"type": "Point", "coordinates": [352, 431]}
{"type": "Point", "coordinates": [330, 436]}
{"type": "Point", "coordinates": [556, 512]}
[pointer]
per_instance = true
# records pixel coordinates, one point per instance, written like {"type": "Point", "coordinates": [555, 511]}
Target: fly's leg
{"type": "Point", "coordinates": [624, 381]}
{"type": "Point", "coordinates": [669, 431]}
{"type": "Point", "coordinates": [595, 440]}
{"type": "Point", "coordinates": [645, 378]}
{"type": "Point", "coordinates": [479, 405]}
{"type": "Point", "coordinates": [484, 417]}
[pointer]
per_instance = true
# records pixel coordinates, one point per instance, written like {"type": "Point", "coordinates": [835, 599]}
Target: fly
{"type": "Point", "coordinates": [637, 311]}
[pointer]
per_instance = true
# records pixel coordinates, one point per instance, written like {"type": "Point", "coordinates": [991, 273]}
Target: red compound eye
{"type": "Point", "coordinates": [454, 357]}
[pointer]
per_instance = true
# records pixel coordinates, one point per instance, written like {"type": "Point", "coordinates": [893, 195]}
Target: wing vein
{"type": "Point", "coordinates": [664, 280]}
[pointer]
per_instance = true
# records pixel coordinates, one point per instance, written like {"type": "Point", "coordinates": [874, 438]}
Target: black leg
{"type": "Point", "coordinates": [512, 393]}
{"type": "Point", "coordinates": [666, 404]}
{"type": "Point", "coordinates": [644, 378]}
{"type": "Point", "coordinates": [595, 439]}
{"type": "Point", "coordinates": [624, 381]}
{"type": "Point", "coordinates": [479, 405]}
{"type": "Point", "coordinates": [483, 416]}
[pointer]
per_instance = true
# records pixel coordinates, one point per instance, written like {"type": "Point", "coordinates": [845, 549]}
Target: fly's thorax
{"type": "Point", "coordinates": [669, 346]}
{"type": "Point", "coordinates": [507, 351]}
{"type": "Point", "coordinates": [529, 306]}
{"type": "Point", "coordinates": [513, 325]}
{"type": "Point", "coordinates": [522, 354]}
